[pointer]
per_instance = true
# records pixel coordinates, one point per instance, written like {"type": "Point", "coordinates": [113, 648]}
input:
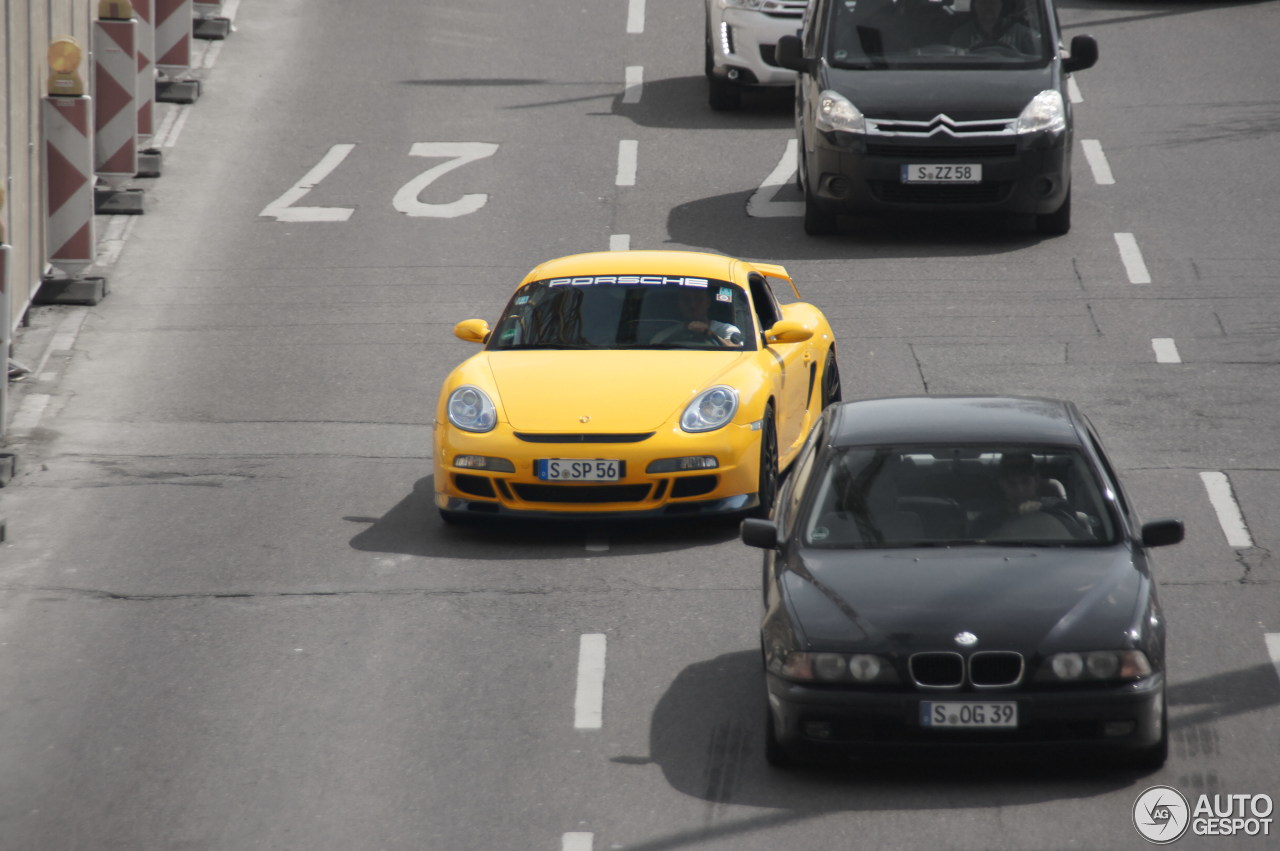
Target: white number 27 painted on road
{"type": "Point", "coordinates": [406, 198]}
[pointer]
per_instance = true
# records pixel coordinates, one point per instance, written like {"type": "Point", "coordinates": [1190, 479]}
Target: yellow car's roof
{"type": "Point", "coordinates": [692, 263]}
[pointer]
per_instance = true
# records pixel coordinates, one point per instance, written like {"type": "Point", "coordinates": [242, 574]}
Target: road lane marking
{"type": "Point", "coordinates": [1228, 510]}
{"type": "Point", "coordinates": [634, 84]}
{"type": "Point", "coordinates": [577, 841]}
{"type": "Point", "coordinates": [1166, 350]}
{"type": "Point", "coordinates": [588, 705]}
{"type": "Point", "coordinates": [620, 242]}
{"type": "Point", "coordinates": [1098, 162]}
{"type": "Point", "coordinates": [761, 204]}
{"type": "Point", "coordinates": [628, 153]}
{"type": "Point", "coordinates": [282, 208]}
{"type": "Point", "coordinates": [1134, 265]}
{"type": "Point", "coordinates": [29, 412]}
{"type": "Point", "coordinates": [1073, 91]}
{"type": "Point", "coordinates": [1273, 648]}
{"type": "Point", "coordinates": [635, 16]}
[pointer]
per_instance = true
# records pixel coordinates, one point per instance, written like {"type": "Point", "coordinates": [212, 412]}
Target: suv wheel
{"type": "Point", "coordinates": [818, 221]}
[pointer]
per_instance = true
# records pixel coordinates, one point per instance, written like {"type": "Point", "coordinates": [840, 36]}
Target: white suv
{"type": "Point", "coordinates": [741, 35]}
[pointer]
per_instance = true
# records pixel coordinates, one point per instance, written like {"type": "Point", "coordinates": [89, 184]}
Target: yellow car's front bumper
{"type": "Point", "coordinates": [508, 484]}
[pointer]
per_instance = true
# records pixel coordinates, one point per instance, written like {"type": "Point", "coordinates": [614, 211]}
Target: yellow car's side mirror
{"type": "Point", "coordinates": [472, 330]}
{"type": "Point", "coordinates": [788, 331]}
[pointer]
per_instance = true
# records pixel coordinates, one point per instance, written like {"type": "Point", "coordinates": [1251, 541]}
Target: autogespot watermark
{"type": "Point", "coordinates": [1162, 815]}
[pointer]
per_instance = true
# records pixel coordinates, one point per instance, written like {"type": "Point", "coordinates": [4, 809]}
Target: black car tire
{"type": "Point", "coordinates": [722, 95]}
{"type": "Point", "coordinates": [767, 484]}
{"type": "Point", "coordinates": [818, 221]}
{"type": "Point", "coordinates": [831, 392]}
{"type": "Point", "coordinates": [776, 754]}
{"type": "Point", "coordinates": [1058, 222]}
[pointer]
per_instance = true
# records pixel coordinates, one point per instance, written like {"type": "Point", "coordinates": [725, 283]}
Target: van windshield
{"type": "Point", "coordinates": [916, 34]}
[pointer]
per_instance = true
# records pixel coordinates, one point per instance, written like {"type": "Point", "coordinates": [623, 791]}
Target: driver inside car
{"type": "Point", "coordinates": [695, 321]}
{"type": "Point", "coordinates": [993, 23]}
{"type": "Point", "coordinates": [1025, 493]}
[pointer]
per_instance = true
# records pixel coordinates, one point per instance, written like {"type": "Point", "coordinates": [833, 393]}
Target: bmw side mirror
{"type": "Point", "coordinates": [762, 534]}
{"type": "Point", "coordinates": [789, 53]}
{"type": "Point", "coordinates": [1084, 54]}
{"type": "Point", "coordinates": [1162, 533]}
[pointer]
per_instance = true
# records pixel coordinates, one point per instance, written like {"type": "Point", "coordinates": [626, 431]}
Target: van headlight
{"type": "Point", "coordinates": [837, 114]}
{"type": "Point", "coordinates": [1046, 113]}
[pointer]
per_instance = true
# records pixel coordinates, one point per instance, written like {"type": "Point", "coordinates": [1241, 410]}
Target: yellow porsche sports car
{"type": "Point", "coordinates": [633, 384]}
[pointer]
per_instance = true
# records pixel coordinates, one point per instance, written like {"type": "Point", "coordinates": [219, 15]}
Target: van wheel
{"type": "Point", "coordinates": [818, 221]}
{"type": "Point", "coordinates": [723, 96]}
{"type": "Point", "coordinates": [1058, 222]}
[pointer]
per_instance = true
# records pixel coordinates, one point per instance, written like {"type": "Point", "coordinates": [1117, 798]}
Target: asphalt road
{"type": "Point", "coordinates": [231, 619]}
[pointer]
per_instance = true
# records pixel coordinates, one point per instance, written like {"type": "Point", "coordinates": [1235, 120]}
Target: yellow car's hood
{"type": "Point", "coordinates": [602, 391]}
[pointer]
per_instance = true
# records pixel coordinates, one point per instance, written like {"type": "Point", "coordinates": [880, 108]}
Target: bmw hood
{"type": "Point", "coordinates": [1016, 599]}
{"type": "Point", "coordinates": [601, 391]}
{"type": "Point", "coordinates": [922, 95]}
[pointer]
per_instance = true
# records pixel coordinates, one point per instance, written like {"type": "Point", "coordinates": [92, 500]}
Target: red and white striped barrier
{"type": "Point", "coordinates": [115, 118]}
{"type": "Point", "coordinates": [68, 170]}
{"type": "Point", "coordinates": [145, 92]}
{"type": "Point", "coordinates": [174, 24]}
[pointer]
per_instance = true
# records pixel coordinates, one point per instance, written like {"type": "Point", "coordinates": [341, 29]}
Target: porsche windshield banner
{"type": "Point", "coordinates": [647, 280]}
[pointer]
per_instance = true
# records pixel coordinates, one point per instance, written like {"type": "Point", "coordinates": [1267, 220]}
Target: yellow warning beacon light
{"type": "Point", "coordinates": [64, 65]}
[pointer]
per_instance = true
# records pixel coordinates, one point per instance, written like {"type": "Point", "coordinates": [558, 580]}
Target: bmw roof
{"type": "Point", "coordinates": [956, 419]}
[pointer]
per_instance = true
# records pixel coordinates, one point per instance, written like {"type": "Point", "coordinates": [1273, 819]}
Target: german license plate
{"type": "Point", "coordinates": [578, 470]}
{"type": "Point", "coordinates": [942, 173]}
{"type": "Point", "coordinates": [1000, 714]}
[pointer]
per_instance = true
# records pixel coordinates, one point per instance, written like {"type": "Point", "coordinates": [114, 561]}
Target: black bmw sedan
{"type": "Point", "coordinates": [960, 571]}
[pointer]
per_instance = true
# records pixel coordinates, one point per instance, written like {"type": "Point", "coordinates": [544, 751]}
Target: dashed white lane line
{"type": "Point", "coordinates": [761, 204]}
{"type": "Point", "coordinates": [628, 153]}
{"type": "Point", "coordinates": [1073, 91]}
{"type": "Point", "coordinates": [634, 84]}
{"type": "Point", "coordinates": [1097, 162]}
{"type": "Point", "coordinates": [1131, 256]}
{"type": "Point", "coordinates": [1228, 510]}
{"type": "Point", "coordinates": [1166, 350]}
{"type": "Point", "coordinates": [577, 841]}
{"type": "Point", "coordinates": [1273, 648]}
{"type": "Point", "coordinates": [635, 16]}
{"type": "Point", "coordinates": [588, 704]}
{"type": "Point", "coordinates": [620, 242]}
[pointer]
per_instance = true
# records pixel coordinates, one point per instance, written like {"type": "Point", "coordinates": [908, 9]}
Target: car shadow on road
{"type": "Point", "coordinates": [702, 223]}
{"type": "Point", "coordinates": [680, 103]}
{"type": "Point", "coordinates": [413, 527]}
{"type": "Point", "coordinates": [707, 735]}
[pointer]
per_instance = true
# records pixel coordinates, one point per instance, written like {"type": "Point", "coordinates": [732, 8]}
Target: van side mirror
{"type": "Point", "coordinates": [789, 53]}
{"type": "Point", "coordinates": [1162, 533]}
{"type": "Point", "coordinates": [1084, 54]}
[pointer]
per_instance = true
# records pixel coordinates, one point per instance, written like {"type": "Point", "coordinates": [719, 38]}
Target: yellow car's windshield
{"type": "Point", "coordinates": [627, 312]}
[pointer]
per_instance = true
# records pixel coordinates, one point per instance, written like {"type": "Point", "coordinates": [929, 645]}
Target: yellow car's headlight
{"type": "Point", "coordinates": [470, 409]}
{"type": "Point", "coordinates": [710, 409]}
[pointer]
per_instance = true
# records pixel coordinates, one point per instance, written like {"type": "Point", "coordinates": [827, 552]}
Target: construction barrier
{"type": "Point", "coordinates": [115, 84]}
{"type": "Point", "coordinates": [67, 157]}
{"type": "Point", "coordinates": [145, 91]}
{"type": "Point", "coordinates": [174, 23]}
{"type": "Point", "coordinates": [209, 23]}
{"type": "Point", "coordinates": [5, 325]}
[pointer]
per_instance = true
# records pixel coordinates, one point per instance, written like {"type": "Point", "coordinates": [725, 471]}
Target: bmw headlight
{"type": "Point", "coordinates": [470, 409]}
{"type": "Point", "coordinates": [837, 114]}
{"type": "Point", "coordinates": [860, 668]}
{"type": "Point", "coordinates": [1094, 666]}
{"type": "Point", "coordinates": [710, 409]}
{"type": "Point", "coordinates": [1045, 113]}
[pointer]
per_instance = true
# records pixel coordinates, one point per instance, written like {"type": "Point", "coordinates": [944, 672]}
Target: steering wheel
{"type": "Point", "coordinates": [678, 332]}
{"type": "Point", "coordinates": [1067, 519]}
